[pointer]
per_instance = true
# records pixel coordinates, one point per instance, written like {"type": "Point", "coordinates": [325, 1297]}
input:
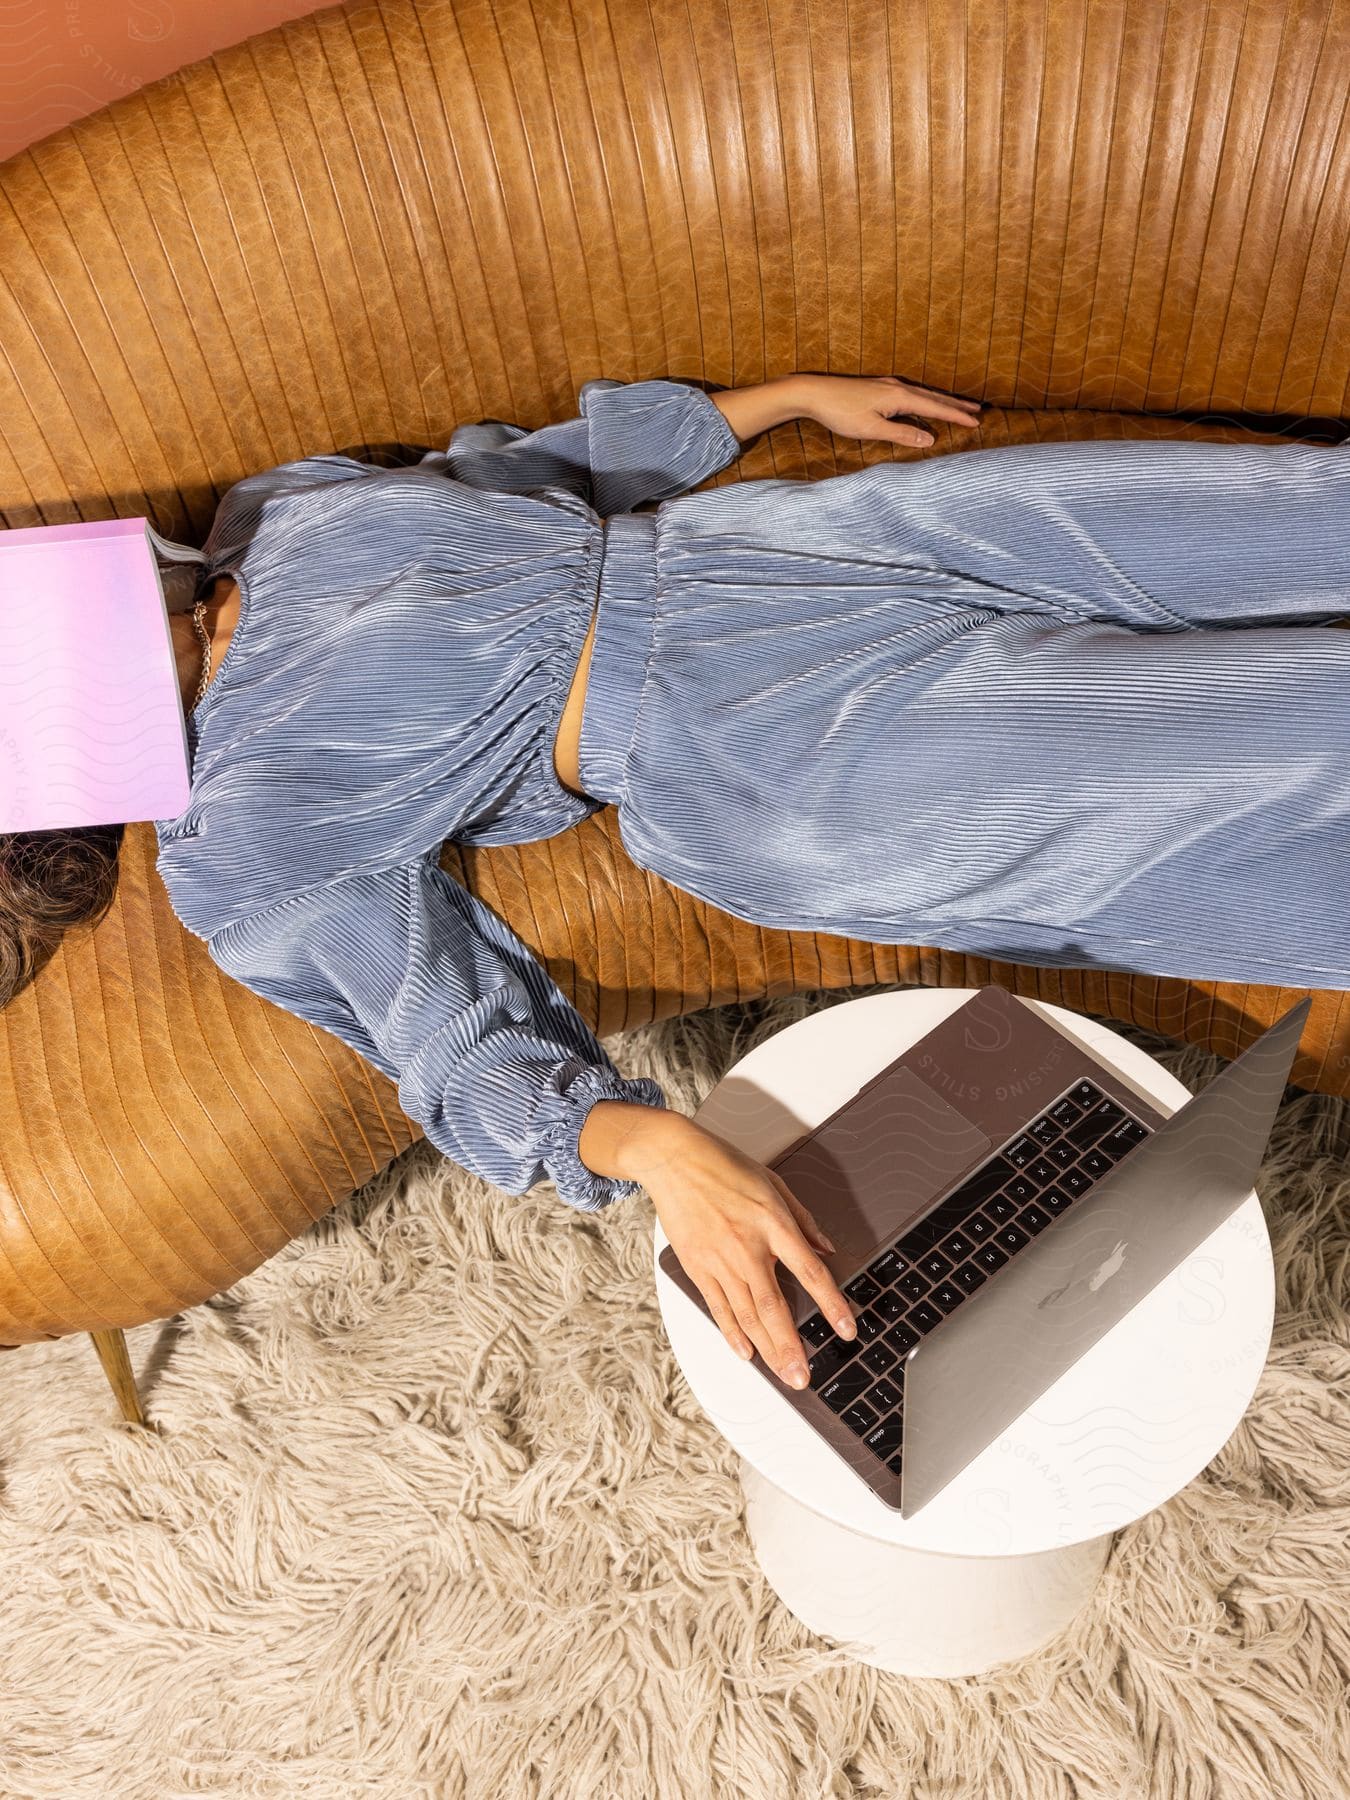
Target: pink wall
{"type": "Point", "coordinates": [61, 59]}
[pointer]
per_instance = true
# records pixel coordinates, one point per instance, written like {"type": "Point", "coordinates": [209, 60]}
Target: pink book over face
{"type": "Point", "coordinates": [92, 730]}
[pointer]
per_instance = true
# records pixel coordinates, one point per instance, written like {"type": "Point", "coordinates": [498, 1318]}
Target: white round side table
{"type": "Point", "coordinates": [1001, 1561]}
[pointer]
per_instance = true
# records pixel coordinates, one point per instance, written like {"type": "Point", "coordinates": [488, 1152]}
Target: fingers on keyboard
{"type": "Point", "coordinates": [910, 1287]}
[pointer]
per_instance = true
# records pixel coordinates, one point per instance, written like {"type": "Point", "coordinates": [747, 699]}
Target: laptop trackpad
{"type": "Point", "coordinates": [875, 1166]}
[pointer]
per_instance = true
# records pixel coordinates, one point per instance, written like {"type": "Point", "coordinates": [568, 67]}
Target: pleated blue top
{"type": "Point", "coordinates": [405, 643]}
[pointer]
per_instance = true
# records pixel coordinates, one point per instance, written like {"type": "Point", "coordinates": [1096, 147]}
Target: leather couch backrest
{"type": "Point", "coordinates": [380, 220]}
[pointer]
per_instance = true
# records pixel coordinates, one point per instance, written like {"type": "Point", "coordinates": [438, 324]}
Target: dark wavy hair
{"type": "Point", "coordinates": [51, 882]}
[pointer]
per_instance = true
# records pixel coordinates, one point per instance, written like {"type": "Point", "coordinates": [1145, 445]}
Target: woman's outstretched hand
{"type": "Point", "coordinates": [729, 1219]}
{"type": "Point", "coordinates": [858, 406]}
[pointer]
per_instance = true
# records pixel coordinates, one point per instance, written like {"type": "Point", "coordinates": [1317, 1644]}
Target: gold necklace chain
{"type": "Point", "coordinates": [199, 626]}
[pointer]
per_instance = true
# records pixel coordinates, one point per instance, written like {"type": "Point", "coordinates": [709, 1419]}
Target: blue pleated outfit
{"type": "Point", "coordinates": [1072, 704]}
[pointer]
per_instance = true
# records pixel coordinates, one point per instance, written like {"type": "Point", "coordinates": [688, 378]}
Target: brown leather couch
{"type": "Point", "coordinates": [358, 230]}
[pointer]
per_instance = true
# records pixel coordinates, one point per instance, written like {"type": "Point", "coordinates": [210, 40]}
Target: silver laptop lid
{"type": "Point", "coordinates": [1004, 1346]}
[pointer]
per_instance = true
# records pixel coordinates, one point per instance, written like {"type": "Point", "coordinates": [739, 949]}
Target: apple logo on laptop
{"type": "Point", "coordinates": [1100, 1276]}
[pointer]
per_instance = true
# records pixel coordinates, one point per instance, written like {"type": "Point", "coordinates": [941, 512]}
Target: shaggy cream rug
{"type": "Point", "coordinates": [433, 1513]}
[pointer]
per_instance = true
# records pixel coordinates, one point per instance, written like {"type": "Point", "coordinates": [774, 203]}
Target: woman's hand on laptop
{"type": "Point", "coordinates": [729, 1219]}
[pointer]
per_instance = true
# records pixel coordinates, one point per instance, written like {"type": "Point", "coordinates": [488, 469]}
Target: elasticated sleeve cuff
{"type": "Point", "coordinates": [652, 440]}
{"type": "Point", "coordinates": [558, 1124]}
{"type": "Point", "coordinates": [633, 442]}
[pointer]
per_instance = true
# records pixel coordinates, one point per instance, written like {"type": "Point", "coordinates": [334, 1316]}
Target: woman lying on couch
{"type": "Point", "coordinates": [1065, 703]}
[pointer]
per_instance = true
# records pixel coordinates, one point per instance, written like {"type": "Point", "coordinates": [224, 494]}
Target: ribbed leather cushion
{"type": "Point", "coordinates": [364, 228]}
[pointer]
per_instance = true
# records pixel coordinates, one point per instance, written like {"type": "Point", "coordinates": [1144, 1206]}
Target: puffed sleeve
{"type": "Point", "coordinates": [417, 975]}
{"type": "Point", "coordinates": [634, 441]}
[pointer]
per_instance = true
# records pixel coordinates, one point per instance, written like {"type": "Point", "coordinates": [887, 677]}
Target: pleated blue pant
{"type": "Point", "coordinates": [1072, 704]}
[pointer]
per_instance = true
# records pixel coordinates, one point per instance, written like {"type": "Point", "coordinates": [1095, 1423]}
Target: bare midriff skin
{"type": "Point", "coordinates": [565, 744]}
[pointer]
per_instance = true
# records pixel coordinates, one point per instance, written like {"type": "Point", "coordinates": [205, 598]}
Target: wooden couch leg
{"type": "Point", "coordinates": [112, 1353]}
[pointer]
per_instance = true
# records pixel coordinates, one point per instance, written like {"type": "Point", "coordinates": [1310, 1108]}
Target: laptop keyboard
{"type": "Point", "coordinates": [911, 1286]}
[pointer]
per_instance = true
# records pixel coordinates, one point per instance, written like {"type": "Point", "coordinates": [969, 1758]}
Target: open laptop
{"type": "Point", "coordinates": [999, 1198]}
